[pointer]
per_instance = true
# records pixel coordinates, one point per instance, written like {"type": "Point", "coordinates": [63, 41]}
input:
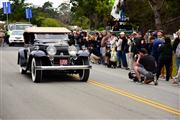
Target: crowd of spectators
{"type": "Point", "coordinates": [119, 51]}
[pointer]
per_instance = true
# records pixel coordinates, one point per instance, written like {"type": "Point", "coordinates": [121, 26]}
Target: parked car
{"type": "Point", "coordinates": [16, 37]}
{"type": "Point", "coordinates": [49, 49]}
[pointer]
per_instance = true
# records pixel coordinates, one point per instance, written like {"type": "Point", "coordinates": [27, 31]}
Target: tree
{"type": "Point", "coordinates": [47, 6]}
{"type": "Point", "coordinates": [140, 14]}
{"type": "Point", "coordinates": [147, 14]}
{"type": "Point", "coordinates": [64, 12]}
{"type": "Point", "coordinates": [18, 10]}
{"type": "Point", "coordinates": [156, 6]}
{"type": "Point", "coordinates": [103, 9]}
{"type": "Point", "coordinates": [83, 21]}
{"type": "Point", "coordinates": [85, 8]}
{"type": "Point", "coordinates": [49, 22]}
{"type": "Point", "coordinates": [97, 11]}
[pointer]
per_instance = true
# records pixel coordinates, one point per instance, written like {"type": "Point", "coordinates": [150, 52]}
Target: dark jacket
{"type": "Point", "coordinates": [166, 52]}
{"type": "Point", "coordinates": [155, 49]}
{"type": "Point", "coordinates": [149, 48]}
{"type": "Point", "coordinates": [124, 46]}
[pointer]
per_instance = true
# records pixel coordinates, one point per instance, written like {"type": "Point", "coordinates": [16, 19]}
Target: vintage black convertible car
{"type": "Point", "coordinates": [49, 49]}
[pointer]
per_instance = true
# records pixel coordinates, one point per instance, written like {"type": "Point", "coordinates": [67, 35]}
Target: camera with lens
{"type": "Point", "coordinates": [132, 76]}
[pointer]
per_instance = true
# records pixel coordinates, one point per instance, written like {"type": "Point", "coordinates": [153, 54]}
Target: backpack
{"type": "Point", "coordinates": [178, 51]}
{"type": "Point", "coordinates": [113, 57]}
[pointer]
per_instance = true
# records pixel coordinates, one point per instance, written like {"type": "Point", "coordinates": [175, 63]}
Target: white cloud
{"type": "Point", "coordinates": [1, 1]}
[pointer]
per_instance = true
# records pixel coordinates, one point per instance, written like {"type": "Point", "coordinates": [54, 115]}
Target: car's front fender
{"type": "Point", "coordinates": [22, 60]}
{"type": "Point", "coordinates": [38, 53]}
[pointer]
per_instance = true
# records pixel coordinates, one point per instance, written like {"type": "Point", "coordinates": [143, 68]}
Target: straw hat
{"type": "Point", "coordinates": [122, 33]}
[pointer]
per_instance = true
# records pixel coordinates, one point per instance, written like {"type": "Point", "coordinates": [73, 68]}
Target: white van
{"type": "Point", "coordinates": [16, 37]}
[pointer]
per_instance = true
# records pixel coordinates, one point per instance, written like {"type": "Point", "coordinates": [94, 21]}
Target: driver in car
{"type": "Point", "coordinates": [144, 65]}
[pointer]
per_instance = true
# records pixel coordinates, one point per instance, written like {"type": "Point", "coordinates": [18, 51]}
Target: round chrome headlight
{"type": "Point", "coordinates": [72, 50]}
{"type": "Point", "coordinates": [51, 50]}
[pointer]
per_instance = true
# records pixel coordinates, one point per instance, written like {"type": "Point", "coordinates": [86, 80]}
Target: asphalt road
{"type": "Point", "coordinates": [108, 94]}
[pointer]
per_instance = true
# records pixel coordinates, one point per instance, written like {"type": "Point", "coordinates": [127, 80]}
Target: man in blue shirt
{"type": "Point", "coordinates": [156, 44]}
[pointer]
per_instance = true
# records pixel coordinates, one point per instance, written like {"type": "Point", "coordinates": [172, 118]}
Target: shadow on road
{"type": "Point", "coordinates": [50, 77]}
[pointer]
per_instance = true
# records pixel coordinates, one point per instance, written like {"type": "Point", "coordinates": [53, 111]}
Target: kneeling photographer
{"type": "Point", "coordinates": [145, 65]}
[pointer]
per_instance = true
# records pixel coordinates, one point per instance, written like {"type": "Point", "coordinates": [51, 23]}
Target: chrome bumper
{"type": "Point", "coordinates": [77, 67]}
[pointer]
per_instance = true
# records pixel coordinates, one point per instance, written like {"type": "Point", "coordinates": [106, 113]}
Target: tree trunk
{"type": "Point", "coordinates": [156, 6]}
{"type": "Point", "coordinates": [157, 18]}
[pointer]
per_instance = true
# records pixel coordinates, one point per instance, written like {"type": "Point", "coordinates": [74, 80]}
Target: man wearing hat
{"type": "Point", "coordinates": [157, 43]}
{"type": "Point", "coordinates": [145, 65]}
{"type": "Point", "coordinates": [122, 49]}
{"type": "Point", "coordinates": [119, 51]}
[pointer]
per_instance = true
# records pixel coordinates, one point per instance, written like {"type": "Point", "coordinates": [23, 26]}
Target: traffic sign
{"type": "Point", "coordinates": [28, 13]}
{"type": "Point", "coordinates": [6, 7]}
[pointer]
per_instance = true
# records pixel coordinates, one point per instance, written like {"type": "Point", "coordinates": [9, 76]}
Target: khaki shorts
{"type": "Point", "coordinates": [142, 71]}
{"type": "Point", "coordinates": [147, 74]}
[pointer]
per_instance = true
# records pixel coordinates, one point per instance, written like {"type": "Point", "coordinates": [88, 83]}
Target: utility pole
{"type": "Point", "coordinates": [7, 20]}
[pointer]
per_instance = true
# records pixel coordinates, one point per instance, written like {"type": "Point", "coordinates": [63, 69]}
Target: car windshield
{"type": "Point", "coordinates": [17, 32]}
{"type": "Point", "coordinates": [18, 26]}
{"type": "Point", "coordinates": [22, 27]}
{"type": "Point", "coordinates": [51, 37]}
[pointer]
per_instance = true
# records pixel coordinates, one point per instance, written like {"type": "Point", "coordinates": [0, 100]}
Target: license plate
{"type": "Point", "coordinates": [63, 61]}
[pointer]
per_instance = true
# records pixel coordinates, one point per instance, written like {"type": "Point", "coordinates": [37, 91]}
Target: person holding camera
{"type": "Point", "coordinates": [144, 64]}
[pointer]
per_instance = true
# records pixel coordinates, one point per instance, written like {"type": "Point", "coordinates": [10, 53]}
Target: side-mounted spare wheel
{"type": "Point", "coordinates": [84, 74]}
{"type": "Point", "coordinates": [36, 75]}
{"type": "Point", "coordinates": [22, 70]}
